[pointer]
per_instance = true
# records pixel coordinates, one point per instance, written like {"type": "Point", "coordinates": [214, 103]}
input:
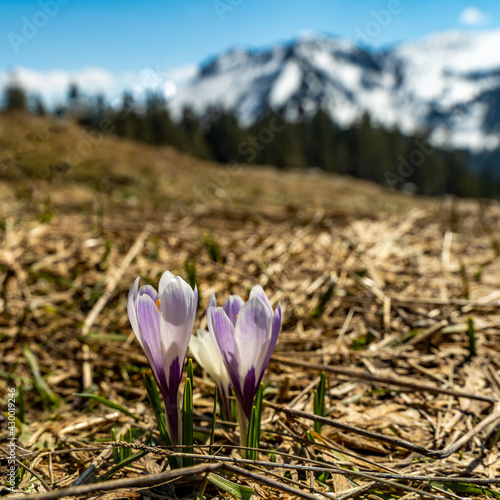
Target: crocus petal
{"type": "Point", "coordinates": [232, 306]}
{"type": "Point", "coordinates": [258, 291]}
{"type": "Point", "coordinates": [172, 409]}
{"type": "Point", "coordinates": [165, 279]}
{"type": "Point", "coordinates": [249, 390]}
{"type": "Point", "coordinates": [212, 305]}
{"type": "Point", "coordinates": [253, 334]}
{"type": "Point", "coordinates": [149, 321]}
{"type": "Point", "coordinates": [149, 290]}
{"type": "Point", "coordinates": [178, 311]}
{"type": "Point", "coordinates": [132, 310]}
{"type": "Point", "coordinates": [224, 332]}
{"type": "Point", "coordinates": [275, 330]}
{"type": "Point", "coordinates": [208, 355]}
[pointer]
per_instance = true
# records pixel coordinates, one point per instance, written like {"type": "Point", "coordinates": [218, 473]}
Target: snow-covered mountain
{"type": "Point", "coordinates": [447, 84]}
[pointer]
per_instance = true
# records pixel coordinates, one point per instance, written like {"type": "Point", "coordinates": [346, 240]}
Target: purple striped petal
{"type": "Point", "coordinates": [178, 311]}
{"type": "Point", "coordinates": [224, 334]}
{"type": "Point", "coordinates": [132, 310]}
{"type": "Point", "coordinates": [232, 306]}
{"type": "Point", "coordinates": [165, 279]}
{"type": "Point", "coordinates": [253, 334]}
{"type": "Point", "coordinates": [249, 390]}
{"type": "Point", "coordinates": [149, 290]}
{"type": "Point", "coordinates": [149, 321]}
{"type": "Point", "coordinates": [275, 330]}
{"type": "Point", "coordinates": [258, 291]}
{"type": "Point", "coordinates": [212, 305]}
{"type": "Point", "coordinates": [171, 402]}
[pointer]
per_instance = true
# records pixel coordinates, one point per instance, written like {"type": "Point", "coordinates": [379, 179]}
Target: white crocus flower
{"type": "Point", "coordinates": [206, 352]}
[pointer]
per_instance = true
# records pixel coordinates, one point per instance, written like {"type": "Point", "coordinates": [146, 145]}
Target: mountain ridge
{"type": "Point", "coordinates": [446, 85]}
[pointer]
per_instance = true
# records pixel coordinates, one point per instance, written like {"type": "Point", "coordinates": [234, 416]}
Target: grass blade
{"type": "Point", "coordinates": [110, 404]}
{"type": "Point", "coordinates": [190, 267]}
{"type": "Point", "coordinates": [251, 454]}
{"type": "Point", "coordinates": [187, 416]}
{"type": "Point", "coordinates": [116, 451]}
{"type": "Point", "coordinates": [237, 490]}
{"type": "Point", "coordinates": [214, 418]}
{"type": "Point", "coordinates": [154, 399]}
{"type": "Point", "coordinates": [471, 333]}
{"type": "Point", "coordinates": [21, 413]}
{"type": "Point", "coordinates": [49, 399]}
{"type": "Point", "coordinates": [253, 440]}
{"type": "Point", "coordinates": [319, 401]}
{"type": "Point", "coordinates": [123, 463]}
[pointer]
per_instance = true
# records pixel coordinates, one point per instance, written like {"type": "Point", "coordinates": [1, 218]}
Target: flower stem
{"type": "Point", "coordinates": [243, 422]}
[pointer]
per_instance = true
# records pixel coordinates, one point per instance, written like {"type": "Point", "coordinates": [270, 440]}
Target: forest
{"type": "Point", "coordinates": [364, 150]}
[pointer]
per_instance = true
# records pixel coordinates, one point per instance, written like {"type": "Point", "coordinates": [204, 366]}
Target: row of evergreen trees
{"type": "Point", "coordinates": [364, 150]}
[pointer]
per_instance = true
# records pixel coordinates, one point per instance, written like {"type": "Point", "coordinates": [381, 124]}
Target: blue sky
{"type": "Point", "coordinates": [127, 36]}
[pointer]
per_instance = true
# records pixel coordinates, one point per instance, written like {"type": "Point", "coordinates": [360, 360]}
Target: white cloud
{"type": "Point", "coordinates": [52, 85]}
{"type": "Point", "coordinates": [472, 16]}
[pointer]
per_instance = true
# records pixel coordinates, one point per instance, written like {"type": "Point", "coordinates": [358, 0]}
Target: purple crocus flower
{"type": "Point", "coordinates": [247, 334]}
{"type": "Point", "coordinates": [163, 322]}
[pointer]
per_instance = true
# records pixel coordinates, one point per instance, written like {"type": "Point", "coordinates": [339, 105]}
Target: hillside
{"type": "Point", "coordinates": [52, 157]}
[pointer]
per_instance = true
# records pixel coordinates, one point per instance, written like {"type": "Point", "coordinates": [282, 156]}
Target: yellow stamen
{"type": "Point", "coordinates": [158, 304]}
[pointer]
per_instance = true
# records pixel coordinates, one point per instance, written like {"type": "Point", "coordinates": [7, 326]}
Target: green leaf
{"type": "Point", "coordinates": [110, 404]}
{"type": "Point", "coordinates": [212, 247]}
{"type": "Point", "coordinates": [258, 412]}
{"type": "Point", "coordinates": [319, 401]}
{"type": "Point", "coordinates": [190, 267]}
{"type": "Point", "coordinates": [120, 465]}
{"type": "Point", "coordinates": [187, 422]}
{"type": "Point", "coordinates": [21, 412]}
{"type": "Point", "coordinates": [49, 399]}
{"type": "Point", "coordinates": [471, 333]}
{"type": "Point", "coordinates": [237, 490]}
{"type": "Point", "coordinates": [253, 439]}
{"type": "Point", "coordinates": [127, 452]}
{"type": "Point", "coordinates": [251, 454]}
{"type": "Point", "coordinates": [154, 399]}
{"type": "Point", "coordinates": [116, 451]}
{"type": "Point", "coordinates": [128, 435]}
{"type": "Point", "coordinates": [190, 371]}
{"type": "Point", "coordinates": [494, 439]}
{"type": "Point", "coordinates": [467, 488]}
{"type": "Point", "coordinates": [363, 341]}
{"type": "Point", "coordinates": [214, 418]}
{"type": "Point", "coordinates": [324, 299]}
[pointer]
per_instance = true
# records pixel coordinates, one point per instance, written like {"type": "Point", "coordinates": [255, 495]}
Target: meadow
{"type": "Point", "coordinates": [395, 298]}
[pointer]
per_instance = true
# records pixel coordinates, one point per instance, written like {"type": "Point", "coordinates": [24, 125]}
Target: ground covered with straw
{"type": "Point", "coordinates": [399, 309]}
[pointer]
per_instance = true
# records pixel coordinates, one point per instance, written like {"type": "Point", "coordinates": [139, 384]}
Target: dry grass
{"type": "Point", "coordinates": [372, 283]}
